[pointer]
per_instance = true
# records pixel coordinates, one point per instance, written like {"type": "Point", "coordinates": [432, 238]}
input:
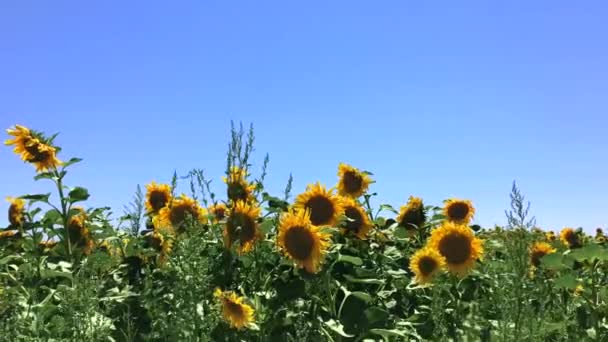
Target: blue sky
{"type": "Point", "coordinates": [438, 100]}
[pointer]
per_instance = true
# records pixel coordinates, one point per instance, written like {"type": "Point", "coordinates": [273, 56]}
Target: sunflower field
{"type": "Point", "coordinates": [237, 263]}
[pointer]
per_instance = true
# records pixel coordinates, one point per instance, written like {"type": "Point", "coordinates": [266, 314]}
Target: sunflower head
{"type": "Point", "coordinates": [425, 264]}
{"type": "Point", "coordinates": [157, 196]}
{"type": "Point", "coordinates": [163, 244]}
{"type": "Point", "coordinates": [174, 215]}
{"type": "Point", "coordinates": [356, 220]}
{"type": "Point", "coordinates": [79, 233]}
{"type": "Point", "coordinates": [324, 206]}
{"type": "Point", "coordinates": [302, 241]}
{"type": "Point", "coordinates": [459, 211]}
{"type": "Point", "coordinates": [550, 236]}
{"type": "Point", "coordinates": [8, 235]}
{"type": "Point", "coordinates": [15, 211]}
{"type": "Point", "coordinates": [352, 182]}
{"type": "Point", "coordinates": [458, 245]}
{"type": "Point", "coordinates": [539, 250]}
{"type": "Point", "coordinates": [241, 225]}
{"type": "Point", "coordinates": [238, 188]}
{"type": "Point", "coordinates": [47, 245]}
{"type": "Point", "coordinates": [219, 211]}
{"type": "Point", "coordinates": [236, 312]}
{"type": "Point", "coordinates": [570, 238]}
{"type": "Point", "coordinates": [412, 215]}
{"type": "Point", "coordinates": [33, 148]}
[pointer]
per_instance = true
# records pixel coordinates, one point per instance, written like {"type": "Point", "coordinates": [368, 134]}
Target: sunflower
{"type": "Point", "coordinates": [325, 207]}
{"type": "Point", "coordinates": [9, 235]}
{"type": "Point", "coordinates": [163, 244]}
{"type": "Point", "coordinates": [238, 186]}
{"type": "Point", "coordinates": [242, 225]}
{"type": "Point", "coordinates": [357, 221]}
{"type": "Point", "coordinates": [33, 149]}
{"type": "Point", "coordinates": [218, 211]}
{"type": "Point", "coordinates": [458, 245]}
{"type": "Point", "coordinates": [15, 211]}
{"type": "Point", "coordinates": [411, 215]}
{"type": "Point", "coordinates": [459, 211]}
{"type": "Point", "coordinates": [425, 264]}
{"type": "Point", "coordinates": [234, 309]}
{"type": "Point", "coordinates": [157, 196]}
{"type": "Point", "coordinates": [173, 215]}
{"type": "Point", "coordinates": [539, 250]}
{"type": "Point", "coordinates": [47, 245]}
{"type": "Point", "coordinates": [79, 233]}
{"type": "Point", "coordinates": [569, 237]}
{"type": "Point", "coordinates": [353, 183]}
{"type": "Point", "coordinates": [550, 236]}
{"type": "Point", "coordinates": [302, 241]}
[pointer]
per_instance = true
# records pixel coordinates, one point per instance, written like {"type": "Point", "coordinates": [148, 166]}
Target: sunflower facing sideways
{"type": "Point", "coordinates": [241, 225]}
{"type": "Point", "coordinates": [79, 233]}
{"type": "Point", "coordinates": [352, 182]}
{"type": "Point", "coordinates": [357, 221]}
{"type": "Point", "coordinates": [238, 186]}
{"type": "Point", "coordinates": [235, 311]}
{"type": "Point", "coordinates": [569, 238]}
{"type": "Point", "coordinates": [163, 244]}
{"type": "Point", "coordinates": [302, 241]}
{"type": "Point", "coordinates": [459, 211]}
{"type": "Point", "coordinates": [218, 211]}
{"type": "Point", "coordinates": [33, 148]}
{"type": "Point", "coordinates": [411, 215]}
{"type": "Point", "coordinates": [458, 245]}
{"type": "Point", "coordinates": [15, 211]}
{"type": "Point", "coordinates": [539, 250]}
{"type": "Point", "coordinates": [157, 196]}
{"type": "Point", "coordinates": [425, 264]}
{"type": "Point", "coordinates": [325, 207]}
{"type": "Point", "coordinates": [173, 216]}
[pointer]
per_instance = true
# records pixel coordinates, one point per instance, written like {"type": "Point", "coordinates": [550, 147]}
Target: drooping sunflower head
{"type": "Point", "coordinates": [163, 244]}
{"type": "Point", "coordinates": [79, 233]}
{"type": "Point", "coordinates": [15, 211]}
{"type": "Point", "coordinates": [22, 136]}
{"type": "Point", "coordinates": [570, 238]}
{"type": "Point", "coordinates": [459, 211]}
{"type": "Point", "coordinates": [47, 245]}
{"type": "Point", "coordinates": [242, 226]}
{"type": "Point", "coordinates": [302, 241]}
{"type": "Point", "coordinates": [458, 245]}
{"type": "Point", "coordinates": [550, 236]}
{"type": "Point", "coordinates": [356, 221]}
{"type": "Point", "coordinates": [412, 215]}
{"type": "Point", "coordinates": [33, 148]}
{"type": "Point", "coordinates": [352, 182]}
{"type": "Point", "coordinates": [157, 196]}
{"type": "Point", "coordinates": [236, 312]}
{"type": "Point", "coordinates": [539, 250]}
{"type": "Point", "coordinates": [7, 235]}
{"type": "Point", "coordinates": [425, 264]}
{"type": "Point", "coordinates": [218, 211]}
{"type": "Point", "coordinates": [238, 188]}
{"type": "Point", "coordinates": [174, 216]}
{"type": "Point", "coordinates": [325, 207]}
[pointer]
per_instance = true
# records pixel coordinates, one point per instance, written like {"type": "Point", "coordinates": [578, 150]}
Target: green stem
{"type": "Point", "coordinates": [64, 212]}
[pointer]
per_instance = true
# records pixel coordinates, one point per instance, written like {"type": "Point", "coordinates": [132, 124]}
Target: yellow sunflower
{"type": "Point", "coordinates": [352, 182]}
{"type": "Point", "coordinates": [325, 207]}
{"type": "Point", "coordinates": [569, 237]}
{"type": "Point", "coordinates": [539, 250]}
{"type": "Point", "coordinates": [157, 196]}
{"type": "Point", "coordinates": [459, 211]}
{"type": "Point", "coordinates": [550, 236]}
{"type": "Point", "coordinates": [163, 244]}
{"type": "Point", "coordinates": [238, 186]}
{"type": "Point", "coordinates": [411, 215]}
{"type": "Point", "coordinates": [15, 211]}
{"type": "Point", "coordinates": [9, 234]}
{"type": "Point", "coordinates": [47, 245]}
{"type": "Point", "coordinates": [242, 225]}
{"type": "Point", "coordinates": [218, 211]}
{"type": "Point", "coordinates": [236, 312]}
{"type": "Point", "coordinates": [302, 241]}
{"type": "Point", "coordinates": [357, 221]}
{"type": "Point", "coordinates": [32, 149]}
{"type": "Point", "coordinates": [425, 264]}
{"type": "Point", "coordinates": [173, 216]}
{"type": "Point", "coordinates": [458, 245]}
{"type": "Point", "coordinates": [79, 233]}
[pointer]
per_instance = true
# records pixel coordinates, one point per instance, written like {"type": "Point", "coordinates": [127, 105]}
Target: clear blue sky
{"type": "Point", "coordinates": [438, 100]}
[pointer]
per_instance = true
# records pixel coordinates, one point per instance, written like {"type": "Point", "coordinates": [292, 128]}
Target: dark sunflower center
{"type": "Point", "coordinates": [572, 239]}
{"type": "Point", "coordinates": [76, 231]}
{"type": "Point", "coordinates": [235, 310]}
{"type": "Point", "coordinates": [427, 265]}
{"type": "Point", "coordinates": [352, 182]}
{"type": "Point", "coordinates": [246, 224]}
{"type": "Point", "coordinates": [38, 153]}
{"type": "Point", "coordinates": [321, 210]}
{"type": "Point", "coordinates": [455, 248]}
{"type": "Point", "coordinates": [355, 220]}
{"type": "Point", "coordinates": [237, 191]}
{"type": "Point", "coordinates": [413, 216]}
{"type": "Point", "coordinates": [458, 211]}
{"type": "Point", "coordinates": [154, 242]}
{"type": "Point", "coordinates": [536, 256]}
{"type": "Point", "coordinates": [299, 242]}
{"type": "Point", "coordinates": [158, 200]}
{"type": "Point", "coordinates": [178, 213]}
{"type": "Point", "coordinates": [220, 213]}
{"type": "Point", "coordinates": [14, 214]}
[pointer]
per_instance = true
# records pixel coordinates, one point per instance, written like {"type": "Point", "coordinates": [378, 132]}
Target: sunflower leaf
{"type": "Point", "coordinates": [350, 259]}
{"type": "Point", "coordinates": [37, 197]}
{"type": "Point", "coordinates": [78, 194]}
{"type": "Point", "coordinates": [337, 327]}
{"type": "Point", "coordinates": [567, 281]}
{"type": "Point", "coordinates": [363, 281]}
{"type": "Point", "coordinates": [72, 161]}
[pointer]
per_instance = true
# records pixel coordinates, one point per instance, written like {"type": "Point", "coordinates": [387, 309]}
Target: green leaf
{"type": "Point", "coordinates": [388, 207]}
{"type": "Point", "coordinates": [44, 274]}
{"type": "Point", "coordinates": [375, 314]}
{"type": "Point", "coordinates": [362, 295]}
{"type": "Point", "coordinates": [52, 216]}
{"type": "Point", "coordinates": [387, 334]}
{"type": "Point", "coordinates": [266, 226]}
{"type": "Point", "coordinates": [37, 197]}
{"type": "Point", "coordinates": [567, 281]}
{"type": "Point", "coordinates": [350, 259]}
{"type": "Point", "coordinates": [44, 175]}
{"type": "Point", "coordinates": [363, 281]}
{"type": "Point", "coordinates": [401, 232]}
{"type": "Point", "coordinates": [78, 194]}
{"type": "Point", "coordinates": [72, 161]}
{"type": "Point", "coordinates": [553, 261]}
{"type": "Point", "coordinates": [337, 327]}
{"type": "Point", "coordinates": [590, 252]}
